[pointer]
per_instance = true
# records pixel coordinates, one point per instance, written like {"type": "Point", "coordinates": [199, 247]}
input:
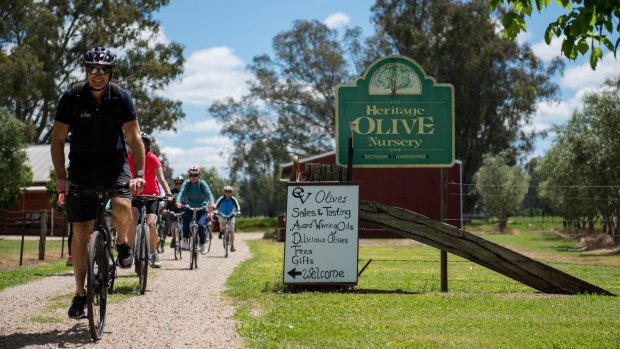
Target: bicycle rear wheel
{"type": "Point", "coordinates": [143, 256]}
{"type": "Point", "coordinates": [97, 285]}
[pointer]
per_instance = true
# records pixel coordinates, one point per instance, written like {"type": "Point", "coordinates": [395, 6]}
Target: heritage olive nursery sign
{"type": "Point", "coordinates": [321, 240]}
{"type": "Point", "coordinates": [398, 117]}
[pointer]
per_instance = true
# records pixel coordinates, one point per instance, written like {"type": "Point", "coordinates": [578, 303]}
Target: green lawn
{"type": "Point", "coordinates": [255, 224]}
{"type": "Point", "coordinates": [10, 249]}
{"type": "Point", "coordinates": [397, 303]}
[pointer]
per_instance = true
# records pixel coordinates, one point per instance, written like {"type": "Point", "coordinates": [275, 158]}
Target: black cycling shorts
{"type": "Point", "coordinates": [151, 206]}
{"type": "Point", "coordinates": [81, 205]}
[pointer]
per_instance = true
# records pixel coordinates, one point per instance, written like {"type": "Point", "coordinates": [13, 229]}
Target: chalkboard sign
{"type": "Point", "coordinates": [321, 245]}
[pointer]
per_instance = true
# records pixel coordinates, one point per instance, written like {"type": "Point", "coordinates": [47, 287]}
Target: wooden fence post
{"type": "Point", "coordinates": [42, 236]}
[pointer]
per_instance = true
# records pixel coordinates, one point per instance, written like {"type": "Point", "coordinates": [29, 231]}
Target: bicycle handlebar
{"type": "Point", "coordinates": [201, 208]}
{"type": "Point", "coordinates": [148, 198]}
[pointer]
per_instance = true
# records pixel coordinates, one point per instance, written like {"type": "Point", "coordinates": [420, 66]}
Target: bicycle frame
{"type": "Point", "coordinates": [193, 228]}
{"type": "Point", "coordinates": [143, 236]}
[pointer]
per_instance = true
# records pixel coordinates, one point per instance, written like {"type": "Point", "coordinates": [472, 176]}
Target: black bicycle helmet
{"type": "Point", "coordinates": [146, 138]}
{"type": "Point", "coordinates": [99, 56]}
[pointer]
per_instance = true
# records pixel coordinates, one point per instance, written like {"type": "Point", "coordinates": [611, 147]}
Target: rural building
{"type": "Point", "coordinates": [25, 216]}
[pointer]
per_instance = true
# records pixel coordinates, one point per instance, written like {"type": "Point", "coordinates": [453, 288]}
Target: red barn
{"type": "Point", "coordinates": [416, 189]}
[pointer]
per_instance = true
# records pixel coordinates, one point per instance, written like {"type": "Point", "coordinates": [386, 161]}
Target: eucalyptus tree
{"type": "Point", "coordinates": [290, 107]}
{"type": "Point", "coordinates": [41, 43]}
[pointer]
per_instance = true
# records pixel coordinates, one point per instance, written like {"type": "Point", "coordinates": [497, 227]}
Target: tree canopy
{"type": "Point", "coordinates": [579, 174]}
{"type": "Point", "coordinates": [290, 108]}
{"type": "Point", "coordinates": [588, 26]}
{"type": "Point", "coordinates": [14, 170]}
{"type": "Point", "coordinates": [497, 83]}
{"type": "Point", "coordinates": [41, 43]}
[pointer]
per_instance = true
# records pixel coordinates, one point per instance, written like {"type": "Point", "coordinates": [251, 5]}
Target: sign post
{"type": "Point", "coordinates": [321, 245]}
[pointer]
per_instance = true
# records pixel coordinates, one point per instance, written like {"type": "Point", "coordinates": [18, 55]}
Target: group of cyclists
{"type": "Point", "coordinates": [193, 192]}
{"type": "Point", "coordinates": [98, 118]}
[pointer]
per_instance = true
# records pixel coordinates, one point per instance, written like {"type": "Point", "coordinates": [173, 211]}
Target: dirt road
{"type": "Point", "coordinates": [182, 308]}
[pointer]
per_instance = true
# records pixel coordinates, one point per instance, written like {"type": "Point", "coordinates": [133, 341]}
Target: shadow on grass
{"type": "Point", "coordinates": [78, 334]}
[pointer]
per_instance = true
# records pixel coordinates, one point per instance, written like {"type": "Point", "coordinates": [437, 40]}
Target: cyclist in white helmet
{"type": "Point", "coordinates": [228, 206]}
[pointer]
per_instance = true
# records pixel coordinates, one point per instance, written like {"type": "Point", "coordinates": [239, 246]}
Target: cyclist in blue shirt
{"type": "Point", "coordinates": [195, 193]}
{"type": "Point", "coordinates": [228, 206]}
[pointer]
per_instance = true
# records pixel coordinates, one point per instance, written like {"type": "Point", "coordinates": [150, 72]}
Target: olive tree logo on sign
{"type": "Point", "coordinates": [394, 78]}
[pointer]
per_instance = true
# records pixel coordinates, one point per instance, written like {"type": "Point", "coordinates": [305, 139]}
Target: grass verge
{"type": "Point", "coordinates": [21, 275]}
{"type": "Point", "coordinates": [396, 304]}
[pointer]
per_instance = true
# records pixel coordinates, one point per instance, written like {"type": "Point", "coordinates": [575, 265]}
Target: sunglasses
{"type": "Point", "coordinates": [98, 70]}
{"type": "Point", "coordinates": [227, 191]}
{"type": "Point", "coordinates": [193, 175]}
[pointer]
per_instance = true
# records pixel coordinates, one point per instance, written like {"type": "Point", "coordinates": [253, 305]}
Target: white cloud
{"type": "Point", "coordinates": [215, 141]}
{"type": "Point", "coordinates": [210, 74]}
{"type": "Point", "coordinates": [209, 125]}
{"type": "Point", "coordinates": [205, 156]}
{"type": "Point", "coordinates": [582, 77]}
{"type": "Point", "coordinates": [337, 20]}
{"type": "Point", "coordinates": [548, 52]}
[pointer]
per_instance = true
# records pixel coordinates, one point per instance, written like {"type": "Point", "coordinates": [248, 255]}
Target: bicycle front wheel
{"type": "Point", "coordinates": [208, 240]}
{"type": "Point", "coordinates": [178, 237]}
{"type": "Point", "coordinates": [161, 241]}
{"type": "Point", "coordinates": [97, 285]}
{"type": "Point", "coordinates": [143, 257]}
{"type": "Point", "coordinates": [225, 239]}
{"type": "Point", "coordinates": [192, 247]}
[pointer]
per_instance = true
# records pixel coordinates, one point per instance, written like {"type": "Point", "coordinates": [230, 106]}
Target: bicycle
{"type": "Point", "coordinates": [177, 235]}
{"type": "Point", "coordinates": [193, 243]}
{"type": "Point", "coordinates": [143, 241]}
{"type": "Point", "coordinates": [101, 269]}
{"type": "Point", "coordinates": [226, 233]}
{"type": "Point", "coordinates": [163, 225]}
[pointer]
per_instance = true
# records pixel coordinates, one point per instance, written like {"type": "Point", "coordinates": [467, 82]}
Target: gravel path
{"type": "Point", "coordinates": [181, 308]}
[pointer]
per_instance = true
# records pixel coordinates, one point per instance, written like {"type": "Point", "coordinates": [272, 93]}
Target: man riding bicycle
{"type": "Point", "coordinates": [97, 112]}
{"type": "Point", "coordinates": [153, 175]}
{"type": "Point", "coordinates": [228, 206]}
{"type": "Point", "coordinates": [196, 193]}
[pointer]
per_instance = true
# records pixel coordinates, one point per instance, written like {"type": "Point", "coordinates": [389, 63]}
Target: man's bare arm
{"type": "Point", "coordinates": [57, 149]}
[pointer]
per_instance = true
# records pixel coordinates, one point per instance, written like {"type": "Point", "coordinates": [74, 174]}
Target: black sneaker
{"type": "Point", "coordinates": [232, 249]}
{"type": "Point", "coordinates": [173, 243]}
{"type": "Point", "coordinates": [220, 236]}
{"type": "Point", "coordinates": [125, 255]}
{"type": "Point", "coordinates": [76, 311]}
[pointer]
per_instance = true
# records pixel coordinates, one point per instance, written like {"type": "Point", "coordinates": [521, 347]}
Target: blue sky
{"type": "Point", "coordinates": [222, 37]}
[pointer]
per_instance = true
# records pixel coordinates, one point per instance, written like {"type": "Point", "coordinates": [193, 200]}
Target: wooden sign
{"type": "Point", "coordinates": [321, 245]}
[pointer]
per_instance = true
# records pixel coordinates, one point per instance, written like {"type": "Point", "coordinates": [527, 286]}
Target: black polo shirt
{"type": "Point", "coordinates": [96, 135]}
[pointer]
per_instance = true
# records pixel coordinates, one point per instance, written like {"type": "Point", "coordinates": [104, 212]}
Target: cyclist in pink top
{"type": "Point", "coordinates": [153, 174]}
